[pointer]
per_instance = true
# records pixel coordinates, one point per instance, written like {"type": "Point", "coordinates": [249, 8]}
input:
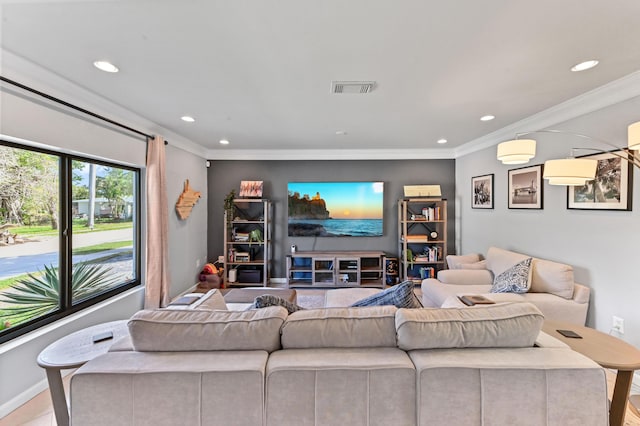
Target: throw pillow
{"type": "Point", "coordinates": [516, 279]}
{"type": "Point", "coordinates": [476, 265]}
{"type": "Point", "coordinates": [270, 300]}
{"type": "Point", "coordinates": [400, 296]}
{"type": "Point", "coordinates": [454, 261]}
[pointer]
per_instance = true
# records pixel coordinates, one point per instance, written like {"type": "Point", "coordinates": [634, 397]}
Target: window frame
{"type": "Point", "coordinates": [65, 231]}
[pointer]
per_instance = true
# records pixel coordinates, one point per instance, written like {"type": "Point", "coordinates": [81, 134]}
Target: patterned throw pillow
{"type": "Point", "coordinates": [270, 300]}
{"type": "Point", "coordinates": [516, 279]}
{"type": "Point", "coordinates": [401, 296]}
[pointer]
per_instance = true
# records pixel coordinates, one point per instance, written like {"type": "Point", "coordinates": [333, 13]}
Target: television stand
{"type": "Point", "coordinates": [334, 269]}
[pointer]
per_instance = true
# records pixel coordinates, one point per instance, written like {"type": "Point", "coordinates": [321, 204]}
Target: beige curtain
{"type": "Point", "coordinates": [157, 272]}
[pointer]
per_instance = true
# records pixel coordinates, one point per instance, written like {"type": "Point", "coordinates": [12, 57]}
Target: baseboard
{"type": "Point", "coordinates": [27, 395]}
{"type": "Point", "coordinates": [278, 281]}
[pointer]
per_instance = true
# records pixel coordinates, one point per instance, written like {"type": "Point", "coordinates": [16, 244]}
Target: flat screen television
{"type": "Point", "coordinates": [335, 209]}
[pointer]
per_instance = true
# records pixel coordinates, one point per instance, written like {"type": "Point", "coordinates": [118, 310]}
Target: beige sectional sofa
{"type": "Point", "coordinates": [340, 366]}
{"type": "Point", "coordinates": [552, 287]}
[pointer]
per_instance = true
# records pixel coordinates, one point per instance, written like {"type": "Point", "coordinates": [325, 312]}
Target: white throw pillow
{"type": "Point", "coordinates": [476, 265]}
{"type": "Point", "coordinates": [454, 262]}
{"type": "Point", "coordinates": [516, 279]}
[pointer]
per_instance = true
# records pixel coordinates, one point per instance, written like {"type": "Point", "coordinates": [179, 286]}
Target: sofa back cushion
{"type": "Point", "coordinates": [202, 330]}
{"type": "Point", "coordinates": [457, 261]}
{"type": "Point", "coordinates": [546, 276]}
{"type": "Point", "coordinates": [365, 327]}
{"type": "Point", "coordinates": [499, 260]}
{"type": "Point", "coordinates": [503, 325]}
{"type": "Point", "coordinates": [552, 277]}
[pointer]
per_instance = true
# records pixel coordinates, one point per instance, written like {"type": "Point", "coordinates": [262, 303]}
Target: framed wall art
{"type": "Point", "coordinates": [525, 188]}
{"type": "Point", "coordinates": [251, 188]}
{"type": "Point", "coordinates": [482, 189]}
{"type": "Point", "coordinates": [610, 190]}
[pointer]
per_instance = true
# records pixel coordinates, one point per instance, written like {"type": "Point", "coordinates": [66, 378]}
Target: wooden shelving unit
{"type": "Point", "coordinates": [336, 269]}
{"type": "Point", "coordinates": [247, 243]}
{"type": "Point", "coordinates": [422, 231]}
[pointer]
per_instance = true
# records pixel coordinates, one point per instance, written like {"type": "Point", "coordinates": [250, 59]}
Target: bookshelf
{"type": "Point", "coordinates": [247, 243]}
{"type": "Point", "coordinates": [422, 237]}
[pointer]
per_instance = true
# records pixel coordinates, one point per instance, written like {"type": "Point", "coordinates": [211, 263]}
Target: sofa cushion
{"type": "Point", "coordinates": [466, 276]}
{"type": "Point", "coordinates": [367, 327]}
{"type": "Point", "coordinates": [343, 297]}
{"type": "Point", "coordinates": [552, 277]}
{"type": "Point", "coordinates": [400, 296]}
{"type": "Point", "coordinates": [202, 330]}
{"type": "Point", "coordinates": [500, 325]}
{"type": "Point", "coordinates": [212, 299]}
{"type": "Point", "coordinates": [499, 260]}
{"type": "Point", "coordinates": [516, 279]}
{"type": "Point", "coordinates": [455, 262]}
{"type": "Point", "coordinates": [476, 265]}
{"type": "Point", "coordinates": [546, 276]}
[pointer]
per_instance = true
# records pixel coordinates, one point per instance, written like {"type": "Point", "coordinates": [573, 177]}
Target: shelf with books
{"type": "Point", "coordinates": [247, 242]}
{"type": "Point", "coordinates": [422, 237]}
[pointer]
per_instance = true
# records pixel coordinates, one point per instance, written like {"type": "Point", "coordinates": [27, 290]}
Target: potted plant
{"type": "Point", "coordinates": [229, 206]}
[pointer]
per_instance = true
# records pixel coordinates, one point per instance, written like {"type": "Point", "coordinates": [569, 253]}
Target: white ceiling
{"type": "Point", "coordinates": [258, 72]}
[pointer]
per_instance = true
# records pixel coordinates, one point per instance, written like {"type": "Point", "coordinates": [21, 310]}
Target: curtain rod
{"type": "Point", "coordinates": [77, 108]}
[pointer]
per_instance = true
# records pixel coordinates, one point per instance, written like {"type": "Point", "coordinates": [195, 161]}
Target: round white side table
{"type": "Point", "coordinates": [73, 351]}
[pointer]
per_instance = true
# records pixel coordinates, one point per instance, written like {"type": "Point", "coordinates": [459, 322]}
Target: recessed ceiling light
{"type": "Point", "coordinates": [224, 142]}
{"type": "Point", "coordinates": [187, 118]}
{"type": "Point", "coordinates": [583, 66]}
{"type": "Point", "coordinates": [487, 117]}
{"type": "Point", "coordinates": [442, 141]}
{"type": "Point", "coordinates": [105, 66]}
{"type": "Point", "coordinates": [341, 132]}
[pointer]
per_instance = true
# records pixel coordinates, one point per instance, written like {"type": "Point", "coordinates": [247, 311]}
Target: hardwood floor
{"type": "Point", "coordinates": [36, 412]}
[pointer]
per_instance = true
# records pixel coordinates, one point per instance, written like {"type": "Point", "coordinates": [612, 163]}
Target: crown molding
{"type": "Point", "coordinates": [324, 154]}
{"type": "Point", "coordinates": [617, 91]}
{"type": "Point", "coordinates": [17, 68]}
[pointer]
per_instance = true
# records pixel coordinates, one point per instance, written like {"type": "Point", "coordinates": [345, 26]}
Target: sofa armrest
{"type": "Point", "coordinates": [545, 340]}
{"type": "Point", "coordinates": [465, 276]}
{"type": "Point", "coordinates": [581, 293]}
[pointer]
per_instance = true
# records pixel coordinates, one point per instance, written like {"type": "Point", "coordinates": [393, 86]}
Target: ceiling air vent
{"type": "Point", "coordinates": [352, 86]}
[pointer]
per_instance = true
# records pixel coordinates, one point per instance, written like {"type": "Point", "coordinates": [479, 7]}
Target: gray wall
{"type": "Point", "coordinates": [602, 246]}
{"type": "Point", "coordinates": [226, 175]}
{"type": "Point", "coordinates": [187, 238]}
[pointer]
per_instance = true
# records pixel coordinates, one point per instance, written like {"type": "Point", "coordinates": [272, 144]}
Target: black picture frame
{"type": "Point", "coordinates": [525, 189]}
{"type": "Point", "coordinates": [615, 176]}
{"type": "Point", "coordinates": [482, 193]}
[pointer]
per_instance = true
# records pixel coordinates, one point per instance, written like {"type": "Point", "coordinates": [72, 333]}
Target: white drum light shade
{"type": "Point", "coordinates": [570, 171]}
{"type": "Point", "coordinates": [634, 136]}
{"type": "Point", "coordinates": [517, 151]}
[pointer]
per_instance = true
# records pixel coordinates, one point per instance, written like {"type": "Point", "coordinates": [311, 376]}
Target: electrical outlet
{"type": "Point", "coordinates": [197, 263]}
{"type": "Point", "coordinates": [618, 324]}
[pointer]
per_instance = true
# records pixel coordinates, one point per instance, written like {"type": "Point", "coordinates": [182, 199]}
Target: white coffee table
{"type": "Point", "coordinates": [73, 351]}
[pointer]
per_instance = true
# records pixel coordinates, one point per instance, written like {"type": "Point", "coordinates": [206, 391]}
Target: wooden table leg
{"type": "Point", "coordinates": [56, 388]}
{"type": "Point", "coordinates": [619, 400]}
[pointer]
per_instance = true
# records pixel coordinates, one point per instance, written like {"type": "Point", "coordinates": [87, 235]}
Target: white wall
{"type": "Point", "coordinates": [602, 246]}
{"type": "Point", "coordinates": [29, 119]}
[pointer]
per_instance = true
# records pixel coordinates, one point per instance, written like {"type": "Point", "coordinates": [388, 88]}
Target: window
{"type": "Point", "coordinates": [69, 235]}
